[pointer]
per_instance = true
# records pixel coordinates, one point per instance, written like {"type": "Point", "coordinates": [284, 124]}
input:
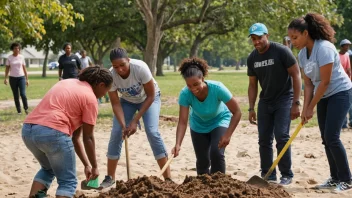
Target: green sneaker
{"type": "Point", "coordinates": [40, 194]}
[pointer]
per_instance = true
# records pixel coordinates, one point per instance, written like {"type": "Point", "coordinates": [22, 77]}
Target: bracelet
{"type": "Point", "coordinates": [251, 109]}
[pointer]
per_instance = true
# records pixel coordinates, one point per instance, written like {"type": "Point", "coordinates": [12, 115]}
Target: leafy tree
{"type": "Point", "coordinates": [37, 22]}
{"type": "Point", "coordinates": [28, 16]}
{"type": "Point", "coordinates": [345, 9]}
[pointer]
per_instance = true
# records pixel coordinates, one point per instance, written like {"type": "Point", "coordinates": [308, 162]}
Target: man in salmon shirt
{"type": "Point", "coordinates": [346, 64]}
{"type": "Point", "coordinates": [47, 131]}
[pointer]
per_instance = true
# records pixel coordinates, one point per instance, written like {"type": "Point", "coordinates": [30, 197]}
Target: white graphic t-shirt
{"type": "Point", "coordinates": [131, 88]}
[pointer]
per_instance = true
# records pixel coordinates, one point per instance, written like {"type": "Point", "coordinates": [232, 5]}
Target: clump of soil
{"type": "Point", "coordinates": [204, 186]}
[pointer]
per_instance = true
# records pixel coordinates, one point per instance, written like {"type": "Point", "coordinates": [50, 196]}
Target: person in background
{"type": "Point", "coordinates": [346, 64]}
{"type": "Point", "coordinates": [69, 63]}
{"type": "Point", "coordinates": [51, 132]}
{"type": "Point", "coordinates": [214, 115]}
{"type": "Point", "coordinates": [328, 88]}
{"type": "Point", "coordinates": [106, 96]}
{"type": "Point", "coordinates": [16, 66]}
{"type": "Point", "coordinates": [85, 60]}
{"type": "Point", "coordinates": [275, 68]}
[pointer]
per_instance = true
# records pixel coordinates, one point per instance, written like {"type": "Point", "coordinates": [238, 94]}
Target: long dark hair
{"type": "Point", "coordinates": [318, 27]}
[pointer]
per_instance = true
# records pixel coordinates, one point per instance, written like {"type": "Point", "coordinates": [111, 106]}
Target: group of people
{"type": "Point", "coordinates": [69, 109]}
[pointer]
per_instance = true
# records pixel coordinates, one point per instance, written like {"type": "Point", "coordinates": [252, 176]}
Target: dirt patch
{"type": "Point", "coordinates": [168, 118]}
{"type": "Point", "coordinates": [205, 186]}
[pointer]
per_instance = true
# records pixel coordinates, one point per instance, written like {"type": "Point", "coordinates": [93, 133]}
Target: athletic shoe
{"type": "Point", "coordinates": [107, 182]}
{"type": "Point", "coordinates": [328, 184]}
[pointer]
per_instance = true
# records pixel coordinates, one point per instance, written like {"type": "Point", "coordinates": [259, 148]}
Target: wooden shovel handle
{"type": "Point", "coordinates": [166, 165]}
{"type": "Point", "coordinates": [127, 159]}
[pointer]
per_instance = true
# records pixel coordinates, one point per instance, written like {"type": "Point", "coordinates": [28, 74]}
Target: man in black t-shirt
{"type": "Point", "coordinates": [276, 69]}
{"type": "Point", "coordinates": [69, 64]}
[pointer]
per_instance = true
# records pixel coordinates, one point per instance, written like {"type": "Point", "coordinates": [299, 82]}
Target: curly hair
{"type": "Point", "coordinates": [190, 67]}
{"type": "Point", "coordinates": [95, 75]}
{"type": "Point", "coordinates": [317, 25]}
{"type": "Point", "coordinates": [15, 44]}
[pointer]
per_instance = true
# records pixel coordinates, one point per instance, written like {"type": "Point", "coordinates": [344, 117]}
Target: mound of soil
{"type": "Point", "coordinates": [205, 186]}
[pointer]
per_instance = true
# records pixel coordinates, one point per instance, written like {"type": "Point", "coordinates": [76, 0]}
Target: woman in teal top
{"type": "Point", "coordinates": [213, 115]}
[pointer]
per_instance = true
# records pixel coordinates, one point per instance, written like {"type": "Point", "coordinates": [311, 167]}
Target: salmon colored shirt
{"type": "Point", "coordinates": [66, 106]}
{"type": "Point", "coordinates": [345, 61]}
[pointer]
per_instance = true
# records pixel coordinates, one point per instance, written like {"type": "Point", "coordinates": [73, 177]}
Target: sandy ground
{"type": "Point", "coordinates": [18, 166]}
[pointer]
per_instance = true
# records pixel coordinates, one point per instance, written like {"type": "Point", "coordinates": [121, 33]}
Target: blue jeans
{"type": "Point", "coordinates": [274, 120]}
{"type": "Point", "coordinates": [331, 113]}
{"type": "Point", "coordinates": [207, 151]}
{"type": "Point", "coordinates": [151, 124]}
{"type": "Point", "coordinates": [55, 153]}
{"type": "Point", "coordinates": [18, 84]}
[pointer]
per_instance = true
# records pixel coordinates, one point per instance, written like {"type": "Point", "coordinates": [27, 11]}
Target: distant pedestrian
{"type": "Point", "coordinates": [16, 66]}
{"type": "Point", "coordinates": [346, 64]}
{"type": "Point", "coordinates": [85, 60]}
{"type": "Point", "coordinates": [69, 63]}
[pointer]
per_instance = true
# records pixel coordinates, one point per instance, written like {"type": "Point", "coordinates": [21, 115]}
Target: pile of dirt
{"type": "Point", "coordinates": [205, 186]}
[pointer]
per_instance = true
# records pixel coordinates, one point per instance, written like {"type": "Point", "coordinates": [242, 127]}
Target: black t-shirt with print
{"type": "Point", "coordinates": [69, 65]}
{"type": "Point", "coordinates": [271, 70]}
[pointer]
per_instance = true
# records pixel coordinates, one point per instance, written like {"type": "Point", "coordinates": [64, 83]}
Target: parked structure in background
{"type": "Point", "coordinates": [33, 57]}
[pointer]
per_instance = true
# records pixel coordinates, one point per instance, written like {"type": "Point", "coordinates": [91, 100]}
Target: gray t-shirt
{"type": "Point", "coordinates": [85, 62]}
{"type": "Point", "coordinates": [324, 52]}
{"type": "Point", "coordinates": [131, 88]}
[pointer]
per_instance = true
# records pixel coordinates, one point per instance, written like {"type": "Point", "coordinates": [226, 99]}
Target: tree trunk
{"type": "Point", "coordinates": [99, 62]}
{"type": "Point", "coordinates": [195, 46]}
{"type": "Point", "coordinates": [160, 63]}
{"type": "Point", "coordinates": [45, 62]}
{"type": "Point", "coordinates": [238, 65]}
{"type": "Point", "coordinates": [152, 48]}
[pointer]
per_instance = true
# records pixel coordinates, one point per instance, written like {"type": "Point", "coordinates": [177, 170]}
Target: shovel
{"type": "Point", "coordinates": [127, 159]}
{"type": "Point", "coordinates": [259, 182]}
{"type": "Point", "coordinates": [166, 165]}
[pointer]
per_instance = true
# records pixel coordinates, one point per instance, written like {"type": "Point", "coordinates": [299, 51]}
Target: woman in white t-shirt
{"type": "Point", "coordinates": [16, 66]}
{"type": "Point", "coordinates": [139, 98]}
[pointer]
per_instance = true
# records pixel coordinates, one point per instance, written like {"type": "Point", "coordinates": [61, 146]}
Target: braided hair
{"type": "Point", "coordinates": [95, 75]}
{"type": "Point", "coordinates": [118, 53]}
{"type": "Point", "coordinates": [193, 67]}
{"type": "Point", "coordinates": [318, 27]}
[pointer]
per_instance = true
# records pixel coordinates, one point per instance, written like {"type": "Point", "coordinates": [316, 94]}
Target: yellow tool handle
{"type": "Point", "coordinates": [283, 151]}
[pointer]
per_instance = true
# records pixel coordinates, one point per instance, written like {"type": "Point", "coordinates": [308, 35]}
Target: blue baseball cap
{"type": "Point", "coordinates": [258, 29]}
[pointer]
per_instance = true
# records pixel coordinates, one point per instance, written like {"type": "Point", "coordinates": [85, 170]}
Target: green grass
{"type": "Point", "coordinates": [37, 88]}
{"type": "Point", "coordinates": [170, 86]}
{"type": "Point", "coordinates": [2, 69]}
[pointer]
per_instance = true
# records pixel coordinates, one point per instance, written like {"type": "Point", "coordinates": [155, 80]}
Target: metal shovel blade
{"type": "Point", "coordinates": [258, 182]}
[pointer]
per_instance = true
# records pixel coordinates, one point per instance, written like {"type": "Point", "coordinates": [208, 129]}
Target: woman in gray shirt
{"type": "Point", "coordinates": [328, 87]}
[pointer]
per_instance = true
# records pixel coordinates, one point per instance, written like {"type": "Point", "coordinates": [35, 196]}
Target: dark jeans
{"type": "Point", "coordinates": [18, 86]}
{"type": "Point", "coordinates": [274, 120]}
{"type": "Point", "coordinates": [207, 151]}
{"type": "Point", "coordinates": [331, 114]}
